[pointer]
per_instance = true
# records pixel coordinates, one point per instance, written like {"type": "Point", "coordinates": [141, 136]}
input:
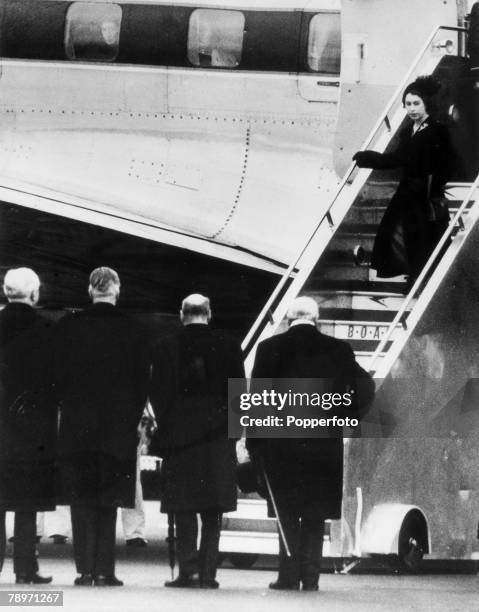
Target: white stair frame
{"type": "Point", "coordinates": [387, 125]}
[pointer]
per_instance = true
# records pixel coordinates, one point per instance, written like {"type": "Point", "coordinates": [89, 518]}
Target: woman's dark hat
{"type": "Point", "coordinates": [424, 86]}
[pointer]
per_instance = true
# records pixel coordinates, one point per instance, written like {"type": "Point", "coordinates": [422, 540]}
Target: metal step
{"type": "Point", "coordinates": [368, 214]}
{"type": "Point", "coordinates": [378, 189]}
{"type": "Point", "coordinates": [354, 285]}
{"type": "Point", "coordinates": [372, 211]}
{"type": "Point", "coordinates": [380, 317]}
{"type": "Point", "coordinates": [347, 240]}
{"type": "Point", "coordinates": [361, 318]}
{"type": "Point", "coordinates": [358, 300]}
{"type": "Point", "coordinates": [339, 273]}
{"type": "Point", "coordinates": [336, 256]}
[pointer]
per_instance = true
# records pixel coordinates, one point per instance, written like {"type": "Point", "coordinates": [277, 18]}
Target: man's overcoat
{"type": "Point", "coordinates": [28, 418]}
{"type": "Point", "coordinates": [101, 374]}
{"type": "Point", "coordinates": [189, 394]}
{"type": "Point", "coordinates": [307, 473]}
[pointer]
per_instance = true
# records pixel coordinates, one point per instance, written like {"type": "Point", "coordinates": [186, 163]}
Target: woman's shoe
{"type": "Point", "coordinates": [359, 255]}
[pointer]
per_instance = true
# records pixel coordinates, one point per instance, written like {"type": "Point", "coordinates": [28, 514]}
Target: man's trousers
{"type": "Point", "coordinates": [304, 535]}
{"type": "Point", "coordinates": [94, 531]}
{"type": "Point", "coordinates": [191, 561]}
{"type": "Point", "coordinates": [24, 545]}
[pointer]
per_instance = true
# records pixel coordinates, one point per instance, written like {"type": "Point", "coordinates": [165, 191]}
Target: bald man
{"type": "Point", "coordinates": [189, 395]}
{"type": "Point", "coordinates": [306, 475]}
{"type": "Point", "coordinates": [28, 418]}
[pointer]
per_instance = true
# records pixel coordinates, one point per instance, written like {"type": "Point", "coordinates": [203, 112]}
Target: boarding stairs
{"type": "Point", "coordinates": [376, 316]}
{"type": "Point", "coordinates": [354, 304]}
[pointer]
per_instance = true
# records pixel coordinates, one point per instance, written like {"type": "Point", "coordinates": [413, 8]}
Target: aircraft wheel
{"type": "Point", "coordinates": [412, 543]}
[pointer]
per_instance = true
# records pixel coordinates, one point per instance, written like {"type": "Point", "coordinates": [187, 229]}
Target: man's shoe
{"type": "Point", "coordinates": [284, 586]}
{"type": "Point", "coordinates": [209, 584]}
{"type": "Point", "coordinates": [310, 586]}
{"type": "Point", "coordinates": [101, 580]}
{"type": "Point", "coordinates": [37, 539]}
{"type": "Point", "coordinates": [83, 580]}
{"type": "Point", "coordinates": [182, 582]}
{"type": "Point", "coordinates": [33, 579]}
{"type": "Point", "coordinates": [138, 542]}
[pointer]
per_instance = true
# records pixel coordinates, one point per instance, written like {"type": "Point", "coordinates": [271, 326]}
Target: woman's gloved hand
{"type": "Point", "coordinates": [361, 158]}
{"type": "Point", "coordinates": [369, 159]}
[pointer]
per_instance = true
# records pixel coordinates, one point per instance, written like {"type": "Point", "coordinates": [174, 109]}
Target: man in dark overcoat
{"type": "Point", "coordinates": [189, 394]}
{"type": "Point", "coordinates": [28, 418]}
{"type": "Point", "coordinates": [305, 475]}
{"type": "Point", "coordinates": [101, 374]}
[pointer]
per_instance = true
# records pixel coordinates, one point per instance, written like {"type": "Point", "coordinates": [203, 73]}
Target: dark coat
{"type": "Point", "coordinates": [307, 474]}
{"type": "Point", "coordinates": [101, 373]}
{"type": "Point", "coordinates": [189, 394]}
{"type": "Point", "coordinates": [28, 417]}
{"type": "Point", "coordinates": [406, 236]}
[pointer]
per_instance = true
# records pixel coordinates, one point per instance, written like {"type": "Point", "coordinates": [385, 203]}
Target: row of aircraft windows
{"type": "Point", "coordinates": [215, 37]}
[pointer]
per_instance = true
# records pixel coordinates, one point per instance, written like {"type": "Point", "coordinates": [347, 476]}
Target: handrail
{"type": "Point", "coordinates": [455, 222]}
{"type": "Point", "coordinates": [265, 312]}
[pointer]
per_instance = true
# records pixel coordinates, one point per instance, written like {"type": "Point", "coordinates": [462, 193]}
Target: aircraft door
{"type": "Point", "coordinates": [320, 56]}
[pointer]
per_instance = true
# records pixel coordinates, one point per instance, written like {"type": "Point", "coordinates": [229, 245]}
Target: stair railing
{"type": "Point", "coordinates": [298, 271]}
{"type": "Point", "coordinates": [457, 224]}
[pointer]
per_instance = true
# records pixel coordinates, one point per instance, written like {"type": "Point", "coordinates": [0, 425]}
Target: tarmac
{"type": "Point", "coordinates": [246, 590]}
{"type": "Point", "coordinates": [144, 571]}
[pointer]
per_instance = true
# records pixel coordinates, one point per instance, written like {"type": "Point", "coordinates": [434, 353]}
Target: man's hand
{"type": "Point", "coordinates": [242, 454]}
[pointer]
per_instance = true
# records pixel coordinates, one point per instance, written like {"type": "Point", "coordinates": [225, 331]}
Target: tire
{"type": "Point", "coordinates": [412, 543]}
{"type": "Point", "coordinates": [243, 560]}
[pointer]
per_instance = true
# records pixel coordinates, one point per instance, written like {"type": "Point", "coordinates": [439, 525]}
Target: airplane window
{"type": "Point", "coordinates": [324, 43]}
{"type": "Point", "coordinates": [92, 31]}
{"type": "Point", "coordinates": [215, 38]}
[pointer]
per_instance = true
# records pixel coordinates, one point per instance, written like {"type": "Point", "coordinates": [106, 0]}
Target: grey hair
{"type": "Point", "coordinates": [303, 308]}
{"type": "Point", "coordinates": [19, 283]}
